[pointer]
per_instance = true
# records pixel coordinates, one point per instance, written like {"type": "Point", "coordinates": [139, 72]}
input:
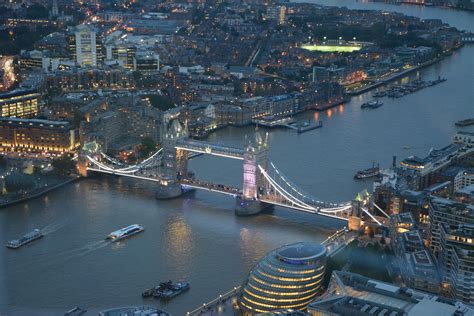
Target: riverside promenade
{"type": "Point", "coordinates": [5, 202]}
{"type": "Point", "coordinates": [393, 77]}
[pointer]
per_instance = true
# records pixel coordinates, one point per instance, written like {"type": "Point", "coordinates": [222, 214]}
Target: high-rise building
{"type": "Point", "coordinates": [452, 241]}
{"type": "Point", "coordinates": [85, 45]}
{"type": "Point", "coordinates": [457, 260]}
{"type": "Point", "coordinates": [449, 212]}
{"type": "Point", "coordinates": [287, 278]}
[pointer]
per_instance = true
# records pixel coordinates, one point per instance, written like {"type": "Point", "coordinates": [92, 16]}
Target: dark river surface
{"type": "Point", "coordinates": [197, 237]}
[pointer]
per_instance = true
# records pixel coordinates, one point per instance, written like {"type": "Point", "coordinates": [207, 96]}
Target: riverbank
{"type": "Point", "coordinates": [35, 193]}
{"type": "Point", "coordinates": [394, 77]}
{"type": "Point", "coordinates": [426, 4]}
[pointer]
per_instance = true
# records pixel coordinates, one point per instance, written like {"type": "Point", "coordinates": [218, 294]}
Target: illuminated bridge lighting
{"type": "Point", "coordinates": [332, 48]}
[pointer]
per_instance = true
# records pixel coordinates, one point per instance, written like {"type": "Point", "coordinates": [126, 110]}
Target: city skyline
{"type": "Point", "coordinates": [236, 158]}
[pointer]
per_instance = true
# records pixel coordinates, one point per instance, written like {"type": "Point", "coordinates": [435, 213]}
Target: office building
{"type": "Point", "coordinates": [277, 13]}
{"type": "Point", "coordinates": [417, 267]}
{"type": "Point", "coordinates": [145, 61]}
{"type": "Point", "coordinates": [19, 103]}
{"type": "Point", "coordinates": [85, 45]}
{"type": "Point", "coordinates": [287, 278]}
{"type": "Point", "coordinates": [463, 179]}
{"type": "Point", "coordinates": [450, 212]}
{"type": "Point", "coordinates": [457, 260]}
{"type": "Point", "coordinates": [36, 136]}
{"type": "Point", "coordinates": [122, 52]}
{"type": "Point", "coordinates": [427, 170]}
{"type": "Point", "coordinates": [353, 294]}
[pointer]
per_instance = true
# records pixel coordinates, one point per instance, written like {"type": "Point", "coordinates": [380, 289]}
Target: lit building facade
{"type": "Point", "coordinates": [457, 259]}
{"type": "Point", "coordinates": [19, 103]}
{"type": "Point", "coordinates": [121, 52]}
{"type": "Point", "coordinates": [449, 212]}
{"type": "Point", "coordinates": [36, 136]}
{"type": "Point", "coordinates": [353, 294]}
{"type": "Point", "coordinates": [287, 278]}
{"type": "Point", "coordinates": [85, 45]}
{"type": "Point", "coordinates": [277, 13]}
{"type": "Point", "coordinates": [145, 61]}
{"type": "Point", "coordinates": [463, 179]}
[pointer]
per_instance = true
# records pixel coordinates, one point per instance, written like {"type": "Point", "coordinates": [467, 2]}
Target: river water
{"type": "Point", "coordinates": [197, 237]}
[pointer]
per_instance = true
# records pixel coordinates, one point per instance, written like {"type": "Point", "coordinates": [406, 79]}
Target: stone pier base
{"type": "Point", "coordinates": [169, 191]}
{"type": "Point", "coordinates": [245, 207]}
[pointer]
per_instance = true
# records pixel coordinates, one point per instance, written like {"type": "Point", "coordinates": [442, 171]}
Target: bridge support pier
{"type": "Point", "coordinates": [168, 191]}
{"type": "Point", "coordinates": [246, 207]}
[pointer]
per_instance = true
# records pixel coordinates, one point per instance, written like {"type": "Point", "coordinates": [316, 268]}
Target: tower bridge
{"type": "Point", "coordinates": [264, 185]}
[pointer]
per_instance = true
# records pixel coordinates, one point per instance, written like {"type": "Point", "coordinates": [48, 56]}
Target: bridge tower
{"type": "Point", "coordinates": [175, 162]}
{"type": "Point", "coordinates": [255, 155]}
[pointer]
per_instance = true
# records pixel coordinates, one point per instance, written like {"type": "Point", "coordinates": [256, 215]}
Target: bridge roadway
{"type": "Point", "coordinates": [209, 186]}
{"type": "Point", "coordinates": [186, 182]}
{"type": "Point", "coordinates": [281, 192]}
{"type": "Point", "coordinates": [210, 149]}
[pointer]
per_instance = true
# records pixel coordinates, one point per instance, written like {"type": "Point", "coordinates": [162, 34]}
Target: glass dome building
{"type": "Point", "coordinates": [287, 278]}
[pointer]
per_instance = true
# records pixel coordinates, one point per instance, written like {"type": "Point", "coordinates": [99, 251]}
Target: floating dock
{"type": "Point", "coordinates": [290, 123]}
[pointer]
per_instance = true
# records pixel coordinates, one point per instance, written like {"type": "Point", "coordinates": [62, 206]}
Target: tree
{"type": "Point", "coordinates": [3, 161]}
{"type": "Point", "coordinates": [78, 118]}
{"type": "Point", "coordinates": [19, 181]}
{"type": "Point", "coordinates": [161, 102]}
{"type": "Point", "coordinates": [36, 11]}
{"type": "Point", "coordinates": [64, 165]}
{"type": "Point", "coordinates": [148, 146]}
{"type": "Point", "coordinates": [382, 240]}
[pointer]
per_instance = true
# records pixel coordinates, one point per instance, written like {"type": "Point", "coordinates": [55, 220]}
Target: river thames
{"type": "Point", "coordinates": [197, 237]}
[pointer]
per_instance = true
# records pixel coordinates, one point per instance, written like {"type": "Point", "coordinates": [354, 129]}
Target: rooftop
{"type": "Point", "coordinates": [351, 293]}
{"type": "Point", "coordinates": [33, 122]}
{"type": "Point", "coordinates": [452, 207]}
{"type": "Point", "coordinates": [301, 251]}
{"type": "Point", "coordinates": [434, 156]}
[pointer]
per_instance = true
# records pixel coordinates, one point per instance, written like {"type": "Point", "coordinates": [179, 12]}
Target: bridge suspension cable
{"type": "Point", "coordinates": [380, 209]}
{"type": "Point", "coordinates": [366, 211]}
{"type": "Point", "coordinates": [284, 193]}
{"type": "Point", "coordinates": [153, 160]}
{"type": "Point", "coordinates": [288, 195]}
{"type": "Point", "coordinates": [305, 197]}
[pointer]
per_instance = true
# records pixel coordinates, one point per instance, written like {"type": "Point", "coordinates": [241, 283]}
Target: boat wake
{"type": "Point", "coordinates": [85, 250]}
{"type": "Point", "coordinates": [54, 226]}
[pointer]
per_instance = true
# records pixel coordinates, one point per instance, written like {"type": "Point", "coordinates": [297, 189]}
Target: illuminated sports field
{"type": "Point", "coordinates": [331, 48]}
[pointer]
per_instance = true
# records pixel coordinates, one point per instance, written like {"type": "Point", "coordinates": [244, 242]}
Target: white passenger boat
{"type": "Point", "coordinates": [125, 232]}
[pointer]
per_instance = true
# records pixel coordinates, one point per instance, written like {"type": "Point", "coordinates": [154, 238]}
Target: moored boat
{"type": "Point", "coordinates": [466, 122]}
{"type": "Point", "coordinates": [380, 94]}
{"type": "Point", "coordinates": [372, 104]}
{"type": "Point", "coordinates": [31, 236]}
{"type": "Point", "coordinates": [367, 173]}
{"type": "Point", "coordinates": [166, 290]}
{"type": "Point", "coordinates": [172, 290]}
{"type": "Point", "coordinates": [125, 232]}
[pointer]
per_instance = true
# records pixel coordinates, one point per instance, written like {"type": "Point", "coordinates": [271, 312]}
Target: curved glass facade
{"type": "Point", "coordinates": [287, 278]}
